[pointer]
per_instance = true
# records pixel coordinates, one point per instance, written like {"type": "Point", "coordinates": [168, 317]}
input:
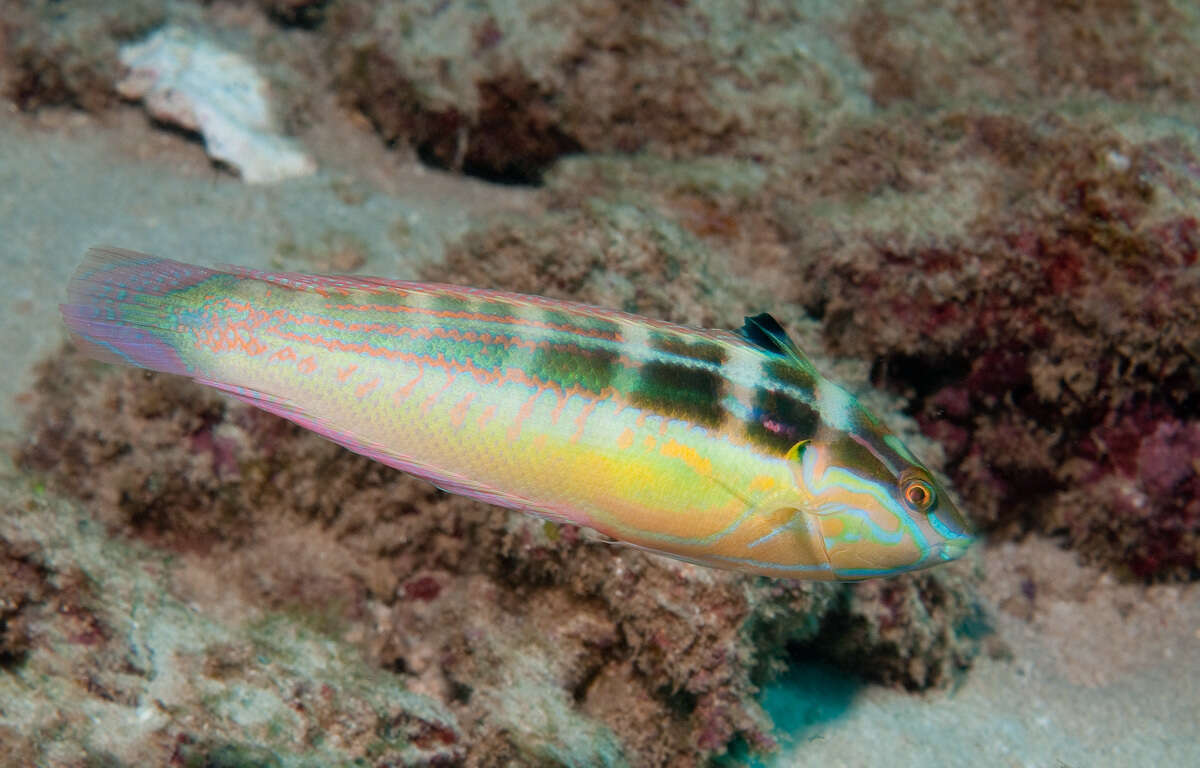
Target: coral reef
{"type": "Point", "coordinates": [545, 645]}
{"type": "Point", "coordinates": [992, 206]}
{"type": "Point", "coordinates": [105, 664]}
{"type": "Point", "coordinates": [1050, 343]}
{"type": "Point", "coordinates": [1035, 301]}
{"type": "Point", "coordinates": [641, 658]}
{"type": "Point", "coordinates": [1028, 284]}
{"type": "Point", "coordinates": [1018, 51]}
{"type": "Point", "coordinates": [66, 52]}
{"type": "Point", "coordinates": [604, 252]}
{"type": "Point", "coordinates": [895, 630]}
{"type": "Point", "coordinates": [501, 92]}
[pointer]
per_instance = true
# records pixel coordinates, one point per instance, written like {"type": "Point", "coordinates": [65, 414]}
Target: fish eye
{"type": "Point", "coordinates": [918, 495]}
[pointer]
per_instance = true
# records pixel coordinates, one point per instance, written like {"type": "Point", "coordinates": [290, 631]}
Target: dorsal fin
{"type": "Point", "coordinates": [766, 333]}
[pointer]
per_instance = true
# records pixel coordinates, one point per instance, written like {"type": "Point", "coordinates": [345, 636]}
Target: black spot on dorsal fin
{"type": "Point", "coordinates": [765, 332]}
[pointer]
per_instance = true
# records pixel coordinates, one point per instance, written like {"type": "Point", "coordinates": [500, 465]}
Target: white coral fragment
{"type": "Point", "coordinates": [188, 81]}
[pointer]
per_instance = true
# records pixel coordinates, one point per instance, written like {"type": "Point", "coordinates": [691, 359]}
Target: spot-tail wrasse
{"type": "Point", "coordinates": [726, 449]}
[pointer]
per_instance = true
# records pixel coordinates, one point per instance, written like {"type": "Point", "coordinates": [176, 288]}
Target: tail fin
{"type": "Point", "coordinates": [118, 307]}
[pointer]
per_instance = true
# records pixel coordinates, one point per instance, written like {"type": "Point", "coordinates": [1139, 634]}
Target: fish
{"type": "Point", "coordinates": [721, 448]}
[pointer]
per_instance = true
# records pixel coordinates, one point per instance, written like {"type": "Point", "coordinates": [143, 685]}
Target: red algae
{"type": "Point", "coordinates": [1040, 354]}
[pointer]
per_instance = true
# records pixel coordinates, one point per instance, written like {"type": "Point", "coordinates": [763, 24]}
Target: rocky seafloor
{"type": "Point", "coordinates": [981, 217]}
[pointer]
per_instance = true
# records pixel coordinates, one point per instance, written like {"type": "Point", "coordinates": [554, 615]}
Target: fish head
{"type": "Point", "coordinates": [878, 511]}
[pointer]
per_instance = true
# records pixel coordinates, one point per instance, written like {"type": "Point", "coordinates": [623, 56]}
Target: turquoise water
{"type": "Point", "coordinates": [803, 703]}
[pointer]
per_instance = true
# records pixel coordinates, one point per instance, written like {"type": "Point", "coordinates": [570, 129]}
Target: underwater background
{"type": "Point", "coordinates": [983, 217]}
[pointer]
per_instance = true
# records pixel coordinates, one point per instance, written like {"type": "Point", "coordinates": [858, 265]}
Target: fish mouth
{"type": "Point", "coordinates": [950, 550]}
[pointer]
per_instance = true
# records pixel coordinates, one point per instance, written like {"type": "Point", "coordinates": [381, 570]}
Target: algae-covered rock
{"type": "Point", "coordinates": [57, 52]}
{"type": "Point", "coordinates": [1046, 333]}
{"type": "Point", "coordinates": [1025, 279]}
{"type": "Point", "coordinates": [103, 663]}
{"type": "Point", "coordinates": [501, 90]}
{"type": "Point", "coordinates": [987, 210]}
{"type": "Point", "coordinates": [545, 644]}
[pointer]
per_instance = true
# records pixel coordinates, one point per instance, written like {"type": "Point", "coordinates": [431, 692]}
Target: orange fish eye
{"type": "Point", "coordinates": [918, 495]}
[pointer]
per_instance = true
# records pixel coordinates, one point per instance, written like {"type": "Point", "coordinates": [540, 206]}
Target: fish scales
{"type": "Point", "coordinates": [719, 448]}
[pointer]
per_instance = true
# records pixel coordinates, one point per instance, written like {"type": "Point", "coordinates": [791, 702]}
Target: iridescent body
{"type": "Point", "coordinates": [720, 448]}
